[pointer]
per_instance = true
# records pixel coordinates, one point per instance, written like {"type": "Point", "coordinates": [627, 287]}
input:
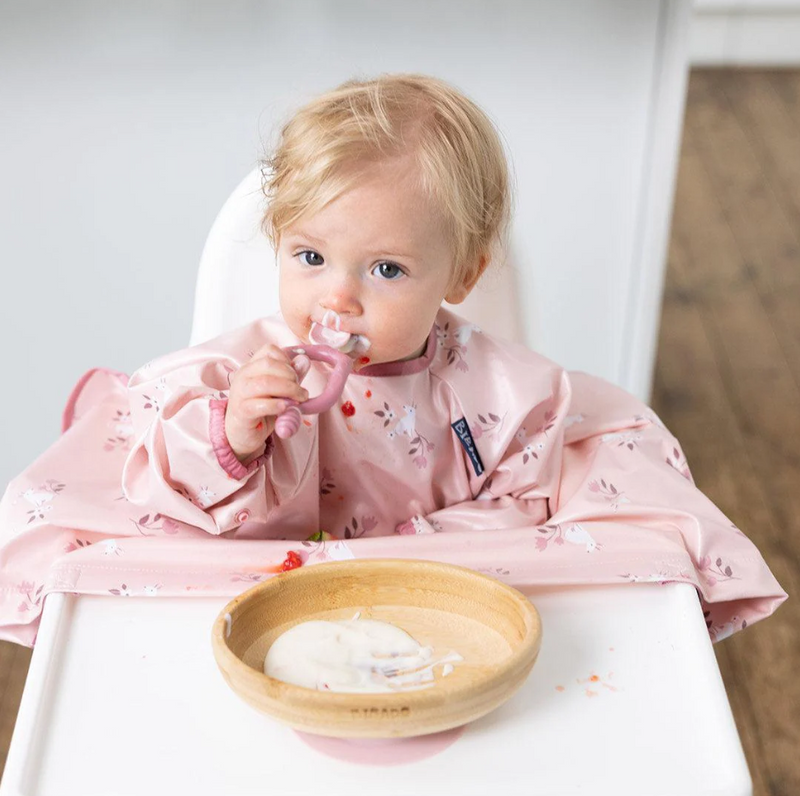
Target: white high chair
{"type": "Point", "coordinates": [625, 699]}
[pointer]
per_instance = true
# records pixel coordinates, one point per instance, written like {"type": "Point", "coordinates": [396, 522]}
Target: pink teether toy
{"type": "Point", "coordinates": [288, 421]}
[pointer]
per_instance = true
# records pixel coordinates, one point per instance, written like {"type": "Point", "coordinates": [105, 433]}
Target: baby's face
{"type": "Point", "coordinates": [376, 256]}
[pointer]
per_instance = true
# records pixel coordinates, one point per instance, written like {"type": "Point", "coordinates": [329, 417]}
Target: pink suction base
{"type": "Point", "coordinates": [382, 751]}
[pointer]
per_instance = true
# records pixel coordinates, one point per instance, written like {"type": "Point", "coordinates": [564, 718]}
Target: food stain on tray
{"type": "Point", "coordinates": [592, 684]}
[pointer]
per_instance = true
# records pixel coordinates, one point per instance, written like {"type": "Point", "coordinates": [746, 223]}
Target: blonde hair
{"type": "Point", "coordinates": [462, 165]}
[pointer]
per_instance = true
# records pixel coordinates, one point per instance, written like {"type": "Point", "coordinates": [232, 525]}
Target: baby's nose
{"type": "Point", "coordinates": [343, 299]}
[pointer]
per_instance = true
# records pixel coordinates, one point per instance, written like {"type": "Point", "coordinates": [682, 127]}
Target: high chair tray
{"type": "Point", "coordinates": [124, 697]}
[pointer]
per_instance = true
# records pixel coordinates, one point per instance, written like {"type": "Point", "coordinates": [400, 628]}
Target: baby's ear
{"type": "Point", "coordinates": [458, 292]}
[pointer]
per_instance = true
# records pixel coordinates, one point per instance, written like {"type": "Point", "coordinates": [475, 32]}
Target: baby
{"type": "Point", "coordinates": [385, 198]}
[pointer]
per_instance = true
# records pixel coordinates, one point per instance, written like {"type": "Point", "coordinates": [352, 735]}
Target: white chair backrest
{"type": "Point", "coordinates": [238, 277]}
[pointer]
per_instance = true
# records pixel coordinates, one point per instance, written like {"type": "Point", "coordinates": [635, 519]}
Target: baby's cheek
{"type": "Point", "coordinates": [296, 322]}
{"type": "Point", "coordinates": [290, 301]}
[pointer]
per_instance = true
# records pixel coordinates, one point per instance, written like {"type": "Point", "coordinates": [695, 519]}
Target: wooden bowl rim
{"type": "Point", "coordinates": [301, 697]}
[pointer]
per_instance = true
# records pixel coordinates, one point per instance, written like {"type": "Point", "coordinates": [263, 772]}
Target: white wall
{"type": "Point", "coordinates": [746, 33]}
{"type": "Point", "coordinates": [126, 125]}
{"type": "Point", "coordinates": [121, 134]}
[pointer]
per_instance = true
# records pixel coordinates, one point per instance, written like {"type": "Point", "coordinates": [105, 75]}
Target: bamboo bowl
{"type": "Point", "coordinates": [494, 627]}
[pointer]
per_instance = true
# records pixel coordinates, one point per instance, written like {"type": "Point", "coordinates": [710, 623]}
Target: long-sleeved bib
{"type": "Point", "coordinates": [479, 453]}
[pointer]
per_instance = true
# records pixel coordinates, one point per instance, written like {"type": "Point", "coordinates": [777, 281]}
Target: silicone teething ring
{"type": "Point", "coordinates": [287, 423]}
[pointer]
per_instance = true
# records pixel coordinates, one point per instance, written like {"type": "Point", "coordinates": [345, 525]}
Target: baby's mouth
{"type": "Point", "coordinates": [330, 333]}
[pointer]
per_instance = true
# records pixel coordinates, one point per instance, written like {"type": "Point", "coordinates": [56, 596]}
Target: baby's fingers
{"type": "Point", "coordinates": [301, 365]}
{"type": "Point", "coordinates": [270, 367]}
{"type": "Point", "coordinates": [271, 351]}
{"type": "Point", "coordinates": [254, 409]}
{"type": "Point", "coordinates": [274, 386]}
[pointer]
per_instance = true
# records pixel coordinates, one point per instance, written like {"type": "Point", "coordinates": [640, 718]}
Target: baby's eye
{"type": "Point", "coordinates": [309, 257]}
{"type": "Point", "coordinates": [388, 270]}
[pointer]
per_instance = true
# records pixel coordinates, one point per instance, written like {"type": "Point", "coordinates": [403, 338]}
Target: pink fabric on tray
{"type": "Point", "coordinates": [382, 751]}
{"type": "Point", "coordinates": [481, 454]}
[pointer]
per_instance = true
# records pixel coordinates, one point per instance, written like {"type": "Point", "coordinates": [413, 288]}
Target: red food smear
{"type": "Point", "coordinates": [348, 410]}
{"type": "Point", "coordinates": [368, 394]}
{"type": "Point", "coordinates": [363, 361]}
{"type": "Point", "coordinates": [293, 561]}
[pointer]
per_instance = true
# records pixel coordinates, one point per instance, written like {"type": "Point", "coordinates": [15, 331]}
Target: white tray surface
{"type": "Point", "coordinates": [125, 698]}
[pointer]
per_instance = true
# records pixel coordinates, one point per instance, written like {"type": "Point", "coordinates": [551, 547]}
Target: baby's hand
{"type": "Point", "coordinates": [256, 398]}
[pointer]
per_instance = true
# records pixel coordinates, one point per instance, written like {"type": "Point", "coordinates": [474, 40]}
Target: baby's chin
{"type": "Point", "coordinates": [382, 351]}
{"type": "Point", "coordinates": [378, 355]}
{"type": "Point", "coordinates": [399, 354]}
{"type": "Point", "coordinates": [417, 352]}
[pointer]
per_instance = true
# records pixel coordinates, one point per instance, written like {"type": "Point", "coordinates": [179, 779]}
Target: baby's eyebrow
{"type": "Point", "coordinates": [305, 236]}
{"type": "Point", "coordinates": [389, 252]}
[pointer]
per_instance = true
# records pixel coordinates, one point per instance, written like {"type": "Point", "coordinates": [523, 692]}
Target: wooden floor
{"type": "Point", "coordinates": [728, 373]}
{"type": "Point", "coordinates": [727, 380]}
{"type": "Point", "coordinates": [14, 662]}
